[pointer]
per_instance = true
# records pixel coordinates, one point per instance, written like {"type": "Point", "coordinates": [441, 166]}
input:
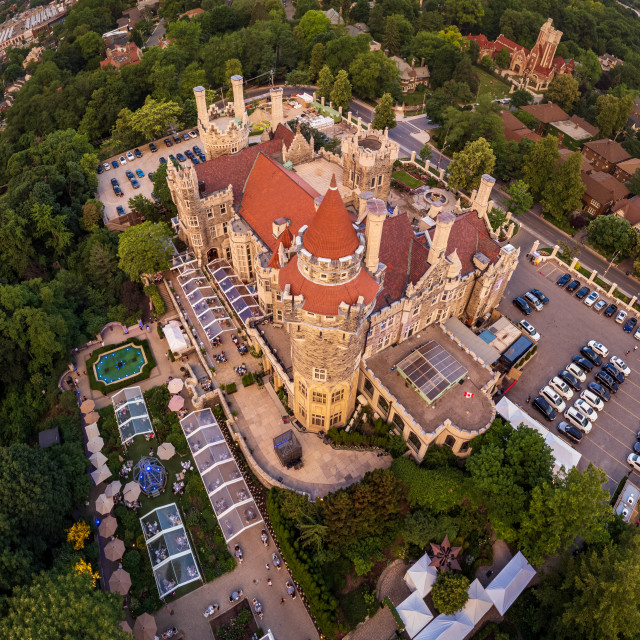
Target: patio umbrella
{"type": "Point", "coordinates": [92, 431]}
{"type": "Point", "coordinates": [92, 417]}
{"type": "Point", "coordinates": [124, 625]}
{"type": "Point", "coordinates": [95, 444]}
{"type": "Point", "coordinates": [175, 385]}
{"type": "Point", "coordinates": [104, 504]}
{"type": "Point", "coordinates": [101, 474]}
{"type": "Point", "coordinates": [145, 627]}
{"type": "Point", "coordinates": [108, 527]}
{"type": "Point", "coordinates": [114, 549]}
{"type": "Point", "coordinates": [113, 488]}
{"type": "Point", "coordinates": [87, 406]}
{"type": "Point", "coordinates": [98, 459]}
{"type": "Point", "coordinates": [120, 582]}
{"type": "Point", "coordinates": [176, 403]}
{"type": "Point", "coordinates": [131, 491]}
{"type": "Point", "coordinates": [166, 451]}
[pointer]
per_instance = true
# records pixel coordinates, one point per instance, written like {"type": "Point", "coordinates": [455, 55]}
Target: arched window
{"type": "Point", "coordinates": [414, 442]}
{"type": "Point", "coordinates": [450, 442]}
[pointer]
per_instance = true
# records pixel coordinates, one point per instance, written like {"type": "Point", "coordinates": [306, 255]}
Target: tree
{"type": "Point", "coordinates": [421, 527]}
{"type": "Point", "coordinates": [571, 506]}
{"type": "Point", "coordinates": [373, 74]}
{"type": "Point", "coordinates": [385, 115]}
{"type": "Point", "coordinates": [92, 214]}
{"type": "Point", "coordinates": [520, 97]}
{"type": "Point", "coordinates": [521, 199]}
{"type": "Point", "coordinates": [325, 82]}
{"type": "Point", "coordinates": [539, 165]}
{"type": "Point", "coordinates": [468, 165]}
{"type": "Point", "coordinates": [426, 152]}
{"type": "Point", "coordinates": [562, 194]}
{"type": "Point", "coordinates": [161, 189]}
{"type": "Point", "coordinates": [464, 12]}
{"type": "Point", "coordinates": [145, 208]}
{"type": "Point", "coordinates": [634, 183]}
{"type": "Point", "coordinates": [450, 592]}
{"type": "Point", "coordinates": [185, 34]}
{"type": "Point", "coordinates": [464, 73]}
{"type": "Point", "coordinates": [613, 113]}
{"type": "Point", "coordinates": [391, 40]}
{"type": "Point", "coordinates": [314, 23]}
{"type": "Point", "coordinates": [503, 58]}
{"type": "Point", "coordinates": [563, 90]}
{"type": "Point", "coordinates": [341, 91]}
{"type": "Point", "coordinates": [63, 604]}
{"type": "Point", "coordinates": [589, 69]}
{"type": "Point", "coordinates": [613, 235]}
{"type": "Point", "coordinates": [297, 77]}
{"type": "Point", "coordinates": [302, 6]}
{"type": "Point", "coordinates": [151, 120]}
{"type": "Point", "coordinates": [145, 249]}
{"type": "Point", "coordinates": [360, 11]}
{"type": "Point", "coordinates": [232, 67]}
{"type": "Point", "coordinates": [317, 60]}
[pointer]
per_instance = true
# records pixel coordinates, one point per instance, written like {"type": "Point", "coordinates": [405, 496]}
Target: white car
{"type": "Point", "coordinates": [578, 419]}
{"type": "Point", "coordinates": [600, 305]}
{"type": "Point", "coordinates": [620, 365]}
{"type": "Point", "coordinates": [122, 160]}
{"type": "Point", "coordinates": [193, 134]}
{"type": "Point", "coordinates": [107, 166]}
{"type": "Point", "coordinates": [530, 330]}
{"type": "Point", "coordinates": [636, 335]}
{"type": "Point", "coordinates": [574, 369]}
{"type": "Point", "coordinates": [634, 460]}
{"type": "Point", "coordinates": [561, 387]}
{"type": "Point", "coordinates": [553, 398]}
{"type": "Point", "coordinates": [586, 409]}
{"type": "Point", "coordinates": [533, 301]}
{"type": "Point", "coordinates": [130, 156]}
{"type": "Point", "coordinates": [599, 348]}
{"type": "Point", "coordinates": [621, 317]}
{"type": "Point", "coordinates": [592, 399]}
{"type": "Point", "coordinates": [591, 298]}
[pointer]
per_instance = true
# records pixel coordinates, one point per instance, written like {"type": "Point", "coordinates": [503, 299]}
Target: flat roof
{"type": "Point", "coordinates": [481, 347]}
{"type": "Point", "coordinates": [572, 129]}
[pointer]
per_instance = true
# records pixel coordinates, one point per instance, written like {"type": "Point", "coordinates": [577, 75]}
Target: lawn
{"type": "Point", "coordinates": [490, 86]}
{"type": "Point", "coordinates": [405, 178]}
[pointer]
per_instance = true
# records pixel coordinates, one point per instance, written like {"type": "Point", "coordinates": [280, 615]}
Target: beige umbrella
{"type": "Point", "coordinates": [166, 451]}
{"type": "Point", "coordinates": [108, 527]}
{"type": "Point", "coordinates": [92, 417]}
{"type": "Point", "coordinates": [175, 385]}
{"type": "Point", "coordinates": [87, 406]}
{"type": "Point", "coordinates": [145, 627]}
{"type": "Point", "coordinates": [98, 459]}
{"type": "Point", "coordinates": [95, 444]}
{"type": "Point", "coordinates": [114, 549]}
{"type": "Point", "coordinates": [101, 474]}
{"type": "Point", "coordinates": [131, 491]}
{"type": "Point", "coordinates": [124, 625]}
{"type": "Point", "coordinates": [104, 504]}
{"type": "Point", "coordinates": [92, 431]}
{"type": "Point", "coordinates": [120, 582]}
{"type": "Point", "coordinates": [113, 488]}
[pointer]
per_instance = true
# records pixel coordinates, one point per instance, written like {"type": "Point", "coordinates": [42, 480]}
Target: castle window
{"type": "Point", "coordinates": [379, 180]}
{"type": "Point", "coordinates": [383, 405]}
{"type": "Point", "coordinates": [450, 441]}
{"type": "Point", "coordinates": [317, 420]}
{"type": "Point", "coordinates": [196, 239]}
{"type": "Point", "coordinates": [398, 422]}
{"type": "Point", "coordinates": [228, 252]}
{"type": "Point", "coordinates": [414, 442]}
{"type": "Point", "coordinates": [320, 398]}
{"type": "Point", "coordinates": [464, 447]}
{"type": "Point", "coordinates": [357, 183]}
{"type": "Point", "coordinates": [373, 182]}
{"type": "Point", "coordinates": [416, 311]}
{"type": "Point", "coordinates": [209, 213]}
{"type": "Point", "coordinates": [192, 221]}
{"type": "Point", "coordinates": [224, 228]}
{"type": "Point", "coordinates": [302, 411]}
{"type": "Point", "coordinates": [279, 315]}
{"type": "Point", "coordinates": [336, 396]}
{"type": "Point", "coordinates": [278, 296]}
{"type": "Point", "coordinates": [302, 388]}
{"type": "Point", "coordinates": [352, 175]}
{"type": "Point", "coordinates": [335, 419]}
{"type": "Point", "coordinates": [223, 208]}
{"type": "Point", "coordinates": [267, 285]}
{"type": "Point", "coordinates": [319, 374]}
{"type": "Point", "coordinates": [368, 387]}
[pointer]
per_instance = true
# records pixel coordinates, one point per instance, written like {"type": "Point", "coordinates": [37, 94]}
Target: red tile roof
{"type": "Point", "coordinates": [546, 113]}
{"type": "Point", "coordinates": [510, 44]}
{"type": "Point", "coordinates": [610, 150]}
{"type": "Point", "coordinates": [325, 299]}
{"type": "Point", "coordinates": [330, 233]}
{"type": "Point", "coordinates": [270, 190]}
{"type": "Point", "coordinates": [233, 169]}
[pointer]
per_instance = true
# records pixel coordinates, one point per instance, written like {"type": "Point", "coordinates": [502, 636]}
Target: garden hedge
{"type": "Point", "coordinates": [156, 299]}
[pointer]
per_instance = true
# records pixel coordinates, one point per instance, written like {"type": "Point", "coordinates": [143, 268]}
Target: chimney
{"type": "Point", "coordinates": [444, 223]}
{"type": "Point", "coordinates": [376, 215]}
{"type": "Point", "coordinates": [277, 116]}
{"type": "Point", "coordinates": [422, 62]}
{"type": "Point", "coordinates": [481, 201]}
{"type": "Point", "coordinates": [201, 104]}
{"type": "Point", "coordinates": [363, 198]}
{"type": "Point", "coordinates": [238, 97]}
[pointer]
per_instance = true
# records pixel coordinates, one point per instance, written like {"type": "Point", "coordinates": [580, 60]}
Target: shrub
{"type": "Point", "coordinates": [231, 388]}
{"type": "Point", "coordinates": [247, 379]}
{"type": "Point", "coordinates": [160, 332]}
{"type": "Point", "coordinates": [449, 592]}
{"type": "Point", "coordinates": [156, 299]}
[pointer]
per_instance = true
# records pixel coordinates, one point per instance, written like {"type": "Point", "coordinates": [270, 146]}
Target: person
{"type": "Point", "coordinates": [528, 399]}
{"type": "Point", "coordinates": [267, 566]}
{"type": "Point", "coordinates": [282, 601]}
{"type": "Point", "coordinates": [635, 348]}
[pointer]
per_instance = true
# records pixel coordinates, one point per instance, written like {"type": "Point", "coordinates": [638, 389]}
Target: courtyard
{"type": "Point", "coordinates": [119, 364]}
{"type": "Point", "coordinates": [565, 325]}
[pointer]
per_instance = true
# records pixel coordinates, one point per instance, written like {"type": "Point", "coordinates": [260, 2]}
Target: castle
{"type": "Point", "coordinates": [342, 277]}
{"type": "Point", "coordinates": [535, 68]}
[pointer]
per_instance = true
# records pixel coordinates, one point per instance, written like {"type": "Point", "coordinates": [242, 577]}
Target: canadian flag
{"type": "Point", "coordinates": [467, 394]}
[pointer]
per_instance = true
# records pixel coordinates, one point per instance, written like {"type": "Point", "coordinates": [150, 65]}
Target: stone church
{"type": "Point", "coordinates": [343, 277]}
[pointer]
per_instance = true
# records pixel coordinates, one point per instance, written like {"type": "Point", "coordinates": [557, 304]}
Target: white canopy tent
{"type": "Point", "coordinates": [478, 603]}
{"type": "Point", "coordinates": [176, 339]}
{"type": "Point", "coordinates": [510, 582]}
{"type": "Point", "coordinates": [420, 576]}
{"type": "Point", "coordinates": [565, 455]}
{"type": "Point", "coordinates": [444, 627]}
{"type": "Point", "coordinates": [414, 613]}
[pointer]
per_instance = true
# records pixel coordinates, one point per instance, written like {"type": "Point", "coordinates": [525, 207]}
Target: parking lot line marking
{"type": "Point", "coordinates": [633, 413]}
{"type": "Point", "coordinates": [627, 381]}
{"type": "Point", "coordinates": [610, 456]}
{"type": "Point", "coordinates": [620, 423]}
{"type": "Point", "coordinates": [628, 395]}
{"type": "Point", "coordinates": [612, 436]}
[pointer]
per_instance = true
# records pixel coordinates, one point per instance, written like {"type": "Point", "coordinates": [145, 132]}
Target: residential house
{"type": "Point", "coordinates": [515, 130]}
{"type": "Point", "coordinates": [122, 55]}
{"type": "Point", "coordinates": [602, 190]}
{"type": "Point", "coordinates": [629, 210]}
{"type": "Point", "coordinates": [625, 169]}
{"type": "Point", "coordinates": [334, 17]}
{"type": "Point", "coordinates": [546, 114]}
{"type": "Point", "coordinates": [573, 131]}
{"type": "Point", "coordinates": [608, 62]}
{"type": "Point", "coordinates": [130, 17]}
{"type": "Point", "coordinates": [604, 154]}
{"type": "Point", "coordinates": [410, 75]}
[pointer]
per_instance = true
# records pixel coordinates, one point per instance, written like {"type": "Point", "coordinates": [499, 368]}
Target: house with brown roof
{"type": "Point", "coordinates": [515, 130]}
{"type": "Point", "coordinates": [545, 114]}
{"type": "Point", "coordinates": [122, 55]}
{"type": "Point", "coordinates": [629, 210]}
{"type": "Point", "coordinates": [625, 169]}
{"type": "Point", "coordinates": [573, 131]}
{"type": "Point", "coordinates": [410, 74]}
{"type": "Point", "coordinates": [601, 191]}
{"type": "Point", "coordinates": [604, 155]}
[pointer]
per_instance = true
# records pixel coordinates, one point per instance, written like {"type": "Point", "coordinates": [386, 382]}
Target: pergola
{"type": "Point", "coordinates": [150, 475]}
{"type": "Point", "coordinates": [287, 447]}
{"type": "Point", "coordinates": [131, 413]}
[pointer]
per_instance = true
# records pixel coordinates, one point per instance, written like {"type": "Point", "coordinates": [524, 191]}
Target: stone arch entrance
{"type": "Point", "coordinates": [212, 254]}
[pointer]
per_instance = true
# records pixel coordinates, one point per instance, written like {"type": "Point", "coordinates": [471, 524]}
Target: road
{"type": "Point", "coordinates": [156, 36]}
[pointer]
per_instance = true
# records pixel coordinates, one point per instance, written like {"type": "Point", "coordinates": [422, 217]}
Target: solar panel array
{"type": "Point", "coordinates": [238, 295]}
{"type": "Point", "coordinates": [431, 370]}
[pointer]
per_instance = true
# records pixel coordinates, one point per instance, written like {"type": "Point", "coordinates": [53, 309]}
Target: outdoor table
{"type": "Point", "coordinates": [235, 595]}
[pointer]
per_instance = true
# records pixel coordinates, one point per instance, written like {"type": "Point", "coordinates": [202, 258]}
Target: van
{"type": "Point", "coordinates": [577, 419]}
{"type": "Point", "coordinates": [533, 301]}
{"type": "Point", "coordinates": [561, 387]}
{"type": "Point", "coordinates": [553, 398]}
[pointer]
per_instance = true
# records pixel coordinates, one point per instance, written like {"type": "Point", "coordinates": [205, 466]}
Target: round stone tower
{"type": "Point", "coordinates": [327, 294]}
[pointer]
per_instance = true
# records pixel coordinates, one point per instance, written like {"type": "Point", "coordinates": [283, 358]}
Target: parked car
{"type": "Point", "coordinates": [620, 365]}
{"type": "Point", "coordinates": [177, 139]}
{"type": "Point", "coordinates": [592, 399]}
{"type": "Point", "coordinates": [583, 363]}
{"type": "Point", "coordinates": [135, 184]}
{"type": "Point", "coordinates": [606, 381]}
{"type": "Point", "coordinates": [591, 355]}
{"type": "Point", "coordinates": [118, 191]}
{"type": "Point", "coordinates": [114, 164]}
{"type": "Point", "coordinates": [180, 157]}
{"type": "Point", "coordinates": [521, 303]}
{"type": "Point", "coordinates": [168, 142]}
{"type": "Point", "coordinates": [172, 158]}
{"type": "Point", "coordinates": [613, 372]}
{"type": "Point", "coordinates": [114, 182]}
{"type": "Point", "coordinates": [578, 419]}
{"type": "Point", "coordinates": [544, 408]}
{"type": "Point", "coordinates": [196, 149]}
{"type": "Point", "coordinates": [599, 390]}
{"type": "Point", "coordinates": [189, 154]}
{"type": "Point", "coordinates": [193, 134]}
{"type": "Point", "coordinates": [582, 292]}
{"type": "Point", "coordinates": [129, 174]}
{"type": "Point", "coordinates": [122, 160]}
{"type": "Point", "coordinates": [576, 371]}
{"type": "Point", "coordinates": [586, 409]}
{"type": "Point", "coordinates": [107, 166]}
{"type": "Point", "coordinates": [591, 298]}
{"type": "Point", "coordinates": [529, 330]}
{"type": "Point", "coordinates": [202, 157]}
{"type": "Point", "coordinates": [150, 176]}
{"type": "Point", "coordinates": [570, 379]}
{"type": "Point", "coordinates": [120, 210]}
{"type": "Point", "coordinates": [153, 148]}
{"type": "Point", "coordinates": [130, 156]}
{"type": "Point", "coordinates": [553, 398]}
{"type": "Point", "coordinates": [163, 160]}
{"type": "Point", "coordinates": [599, 348]}
{"type": "Point", "coordinates": [636, 335]}
{"type": "Point", "coordinates": [195, 160]}
{"type": "Point", "coordinates": [573, 286]}
{"type": "Point", "coordinates": [611, 309]}
{"type": "Point", "coordinates": [100, 169]}
{"type": "Point", "coordinates": [569, 431]}
{"type": "Point", "coordinates": [563, 280]}
{"type": "Point", "coordinates": [634, 460]}
{"type": "Point", "coordinates": [621, 317]}
{"type": "Point", "coordinates": [600, 305]}
{"type": "Point", "coordinates": [532, 301]}
{"type": "Point", "coordinates": [538, 294]}
{"type": "Point", "coordinates": [561, 387]}
{"type": "Point", "coordinates": [630, 325]}
{"type": "Point", "coordinates": [140, 173]}
{"type": "Point", "coordinates": [185, 136]}
{"type": "Point", "coordinates": [137, 153]}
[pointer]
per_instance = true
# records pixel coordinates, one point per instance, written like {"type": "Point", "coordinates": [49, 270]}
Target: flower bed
{"type": "Point", "coordinates": [407, 179]}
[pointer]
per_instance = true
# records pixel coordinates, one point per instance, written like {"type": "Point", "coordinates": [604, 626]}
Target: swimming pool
{"type": "Point", "coordinates": [121, 363]}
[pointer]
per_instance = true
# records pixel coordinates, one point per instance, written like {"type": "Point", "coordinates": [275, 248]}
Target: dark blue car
{"type": "Point", "coordinates": [114, 164]}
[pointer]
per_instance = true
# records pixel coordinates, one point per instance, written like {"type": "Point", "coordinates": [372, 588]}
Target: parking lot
{"type": "Point", "coordinates": [565, 325]}
{"type": "Point", "coordinates": [148, 163]}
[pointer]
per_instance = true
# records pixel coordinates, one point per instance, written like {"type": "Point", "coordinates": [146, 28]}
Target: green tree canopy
{"type": "Point", "coordinates": [468, 165]}
{"type": "Point", "coordinates": [373, 74]}
{"type": "Point", "coordinates": [325, 82]}
{"type": "Point", "coordinates": [613, 235]}
{"type": "Point", "coordinates": [503, 58]}
{"type": "Point", "coordinates": [634, 183]}
{"type": "Point", "coordinates": [317, 60]}
{"type": "Point", "coordinates": [539, 165]}
{"type": "Point", "coordinates": [450, 592]}
{"type": "Point", "coordinates": [521, 200]}
{"type": "Point", "coordinates": [314, 23]}
{"type": "Point", "coordinates": [562, 194]}
{"type": "Point", "coordinates": [613, 113]}
{"type": "Point", "coordinates": [563, 90]}
{"type": "Point", "coordinates": [465, 13]}
{"type": "Point", "coordinates": [341, 91]}
{"type": "Point", "coordinates": [145, 249]}
{"type": "Point", "coordinates": [391, 40]}
{"type": "Point", "coordinates": [520, 97]}
{"type": "Point", "coordinates": [385, 115]}
{"type": "Point", "coordinates": [92, 214]}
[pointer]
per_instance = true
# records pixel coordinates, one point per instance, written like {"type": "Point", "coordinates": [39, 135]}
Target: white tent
{"type": "Point", "coordinates": [175, 338]}
{"type": "Point", "coordinates": [478, 603]}
{"type": "Point", "coordinates": [565, 455]}
{"type": "Point", "coordinates": [414, 613]}
{"type": "Point", "coordinates": [420, 576]}
{"type": "Point", "coordinates": [510, 582]}
{"type": "Point", "coordinates": [444, 627]}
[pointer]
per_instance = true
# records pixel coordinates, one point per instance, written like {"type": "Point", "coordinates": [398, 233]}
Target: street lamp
{"type": "Point", "coordinates": [611, 263]}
